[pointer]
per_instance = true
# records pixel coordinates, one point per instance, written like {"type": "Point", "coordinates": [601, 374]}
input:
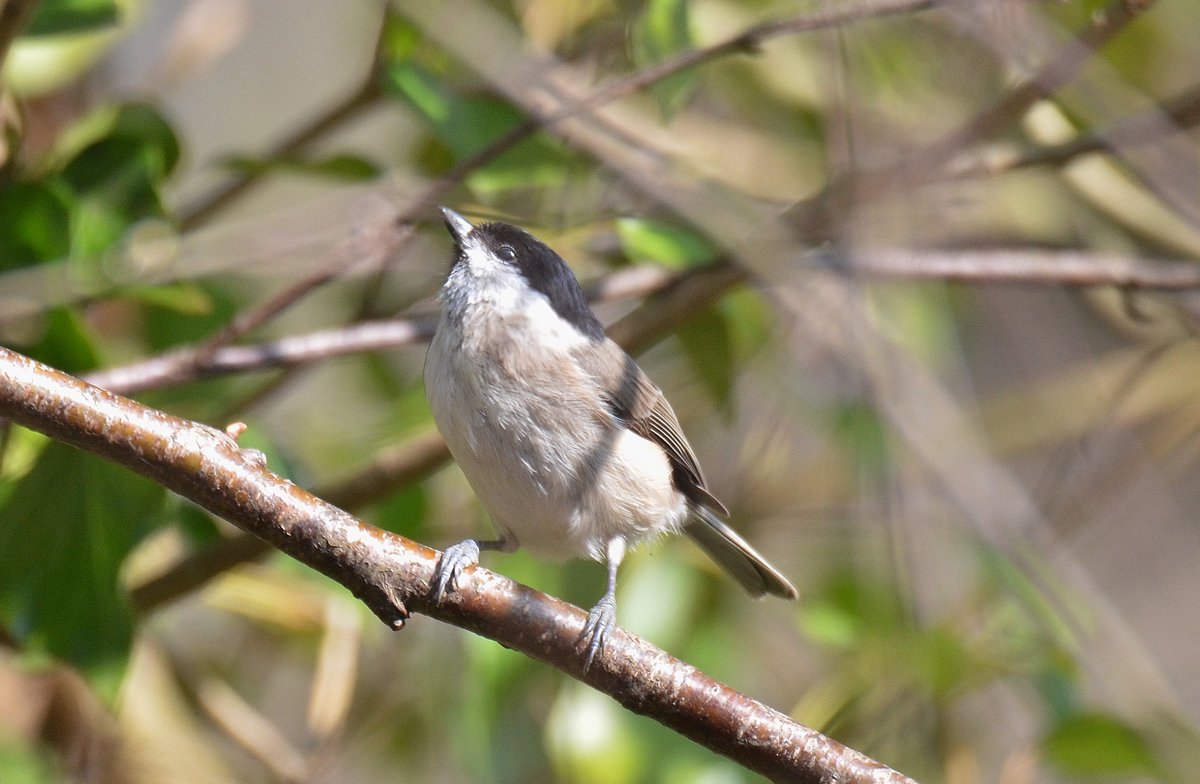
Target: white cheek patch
{"type": "Point", "coordinates": [531, 316]}
{"type": "Point", "coordinates": [547, 328]}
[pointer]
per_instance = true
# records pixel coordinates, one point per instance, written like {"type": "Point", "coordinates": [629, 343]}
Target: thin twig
{"type": "Point", "coordinates": [179, 366]}
{"type": "Point", "coordinates": [1021, 265]}
{"type": "Point", "coordinates": [814, 216]}
{"type": "Point", "coordinates": [1173, 116]}
{"type": "Point", "coordinates": [434, 192]}
{"type": "Point", "coordinates": [186, 364]}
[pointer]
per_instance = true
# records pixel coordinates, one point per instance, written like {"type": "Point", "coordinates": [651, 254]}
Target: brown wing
{"type": "Point", "coordinates": [633, 398]}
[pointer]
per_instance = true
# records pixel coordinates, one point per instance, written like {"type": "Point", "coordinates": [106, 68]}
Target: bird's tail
{"type": "Point", "coordinates": [735, 555]}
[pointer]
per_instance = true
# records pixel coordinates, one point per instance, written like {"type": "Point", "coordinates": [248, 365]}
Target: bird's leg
{"type": "Point", "coordinates": [461, 556]}
{"type": "Point", "coordinates": [603, 617]}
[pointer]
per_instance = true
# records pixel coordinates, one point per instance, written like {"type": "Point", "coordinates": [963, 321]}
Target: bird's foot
{"type": "Point", "coordinates": [600, 623]}
{"type": "Point", "coordinates": [456, 558]}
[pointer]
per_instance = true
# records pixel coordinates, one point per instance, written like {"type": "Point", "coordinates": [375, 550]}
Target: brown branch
{"type": "Point", "coordinates": [1173, 116]}
{"type": "Point", "coordinates": [193, 362]}
{"type": "Point", "coordinates": [420, 204]}
{"type": "Point", "coordinates": [1060, 70]}
{"type": "Point", "coordinates": [180, 365]}
{"type": "Point", "coordinates": [1005, 265]}
{"type": "Point", "coordinates": [391, 574]}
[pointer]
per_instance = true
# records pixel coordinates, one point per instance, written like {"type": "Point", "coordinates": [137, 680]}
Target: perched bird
{"type": "Point", "coordinates": [572, 450]}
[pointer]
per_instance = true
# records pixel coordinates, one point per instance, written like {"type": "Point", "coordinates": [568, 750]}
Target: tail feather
{"type": "Point", "coordinates": [735, 555]}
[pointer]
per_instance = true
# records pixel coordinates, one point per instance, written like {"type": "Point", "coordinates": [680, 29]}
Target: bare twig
{"type": "Point", "coordinates": [1023, 265]}
{"type": "Point", "coordinates": [363, 98]}
{"type": "Point", "coordinates": [1173, 116]}
{"type": "Point", "coordinates": [391, 575]}
{"type": "Point", "coordinates": [190, 363]}
{"type": "Point", "coordinates": [1055, 74]}
{"type": "Point", "coordinates": [420, 204]}
{"type": "Point", "coordinates": [814, 216]}
{"type": "Point", "coordinates": [180, 365]}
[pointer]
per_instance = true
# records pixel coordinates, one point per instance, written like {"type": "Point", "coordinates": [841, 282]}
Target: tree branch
{"type": "Point", "coordinates": [1020, 265]}
{"type": "Point", "coordinates": [814, 216]}
{"type": "Point", "coordinates": [192, 362]}
{"type": "Point", "coordinates": [391, 574]}
{"type": "Point", "coordinates": [400, 234]}
{"type": "Point", "coordinates": [1179, 113]}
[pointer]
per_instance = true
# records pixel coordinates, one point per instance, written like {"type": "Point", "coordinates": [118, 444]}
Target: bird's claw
{"type": "Point", "coordinates": [600, 622]}
{"type": "Point", "coordinates": [450, 565]}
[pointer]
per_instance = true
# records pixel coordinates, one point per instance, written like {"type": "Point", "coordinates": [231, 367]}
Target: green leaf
{"type": "Point", "coordinates": [55, 17]}
{"type": "Point", "coordinates": [184, 298]}
{"type": "Point", "coordinates": [35, 223]}
{"type": "Point", "coordinates": [464, 126]}
{"type": "Point", "coordinates": [21, 764]}
{"type": "Point", "coordinates": [706, 341]}
{"type": "Point", "coordinates": [118, 177]}
{"type": "Point", "coordinates": [65, 343]}
{"type": "Point", "coordinates": [406, 512]}
{"type": "Point", "coordinates": [1096, 744]}
{"type": "Point", "coordinates": [664, 30]}
{"type": "Point", "coordinates": [672, 246]}
{"type": "Point", "coordinates": [64, 534]}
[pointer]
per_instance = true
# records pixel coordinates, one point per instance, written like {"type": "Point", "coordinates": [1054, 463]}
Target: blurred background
{"type": "Point", "coordinates": [917, 277]}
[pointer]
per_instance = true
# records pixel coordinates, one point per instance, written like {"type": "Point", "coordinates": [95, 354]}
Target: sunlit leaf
{"type": "Point", "coordinates": [672, 246]}
{"type": "Point", "coordinates": [464, 126]}
{"type": "Point", "coordinates": [663, 30]}
{"type": "Point", "coordinates": [186, 298]}
{"type": "Point", "coordinates": [1094, 744]}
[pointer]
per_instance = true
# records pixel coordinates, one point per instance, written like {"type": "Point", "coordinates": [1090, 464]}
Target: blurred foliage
{"type": "Point", "coordinates": [922, 637]}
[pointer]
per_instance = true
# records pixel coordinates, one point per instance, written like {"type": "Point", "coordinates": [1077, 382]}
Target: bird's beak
{"type": "Point", "coordinates": [459, 226]}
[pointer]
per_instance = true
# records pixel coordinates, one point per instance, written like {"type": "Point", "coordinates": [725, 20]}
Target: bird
{"type": "Point", "coordinates": [569, 446]}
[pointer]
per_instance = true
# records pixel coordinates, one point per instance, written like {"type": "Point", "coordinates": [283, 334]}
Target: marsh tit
{"type": "Point", "coordinates": [572, 450]}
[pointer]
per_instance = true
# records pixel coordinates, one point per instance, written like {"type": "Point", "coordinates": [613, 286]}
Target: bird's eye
{"type": "Point", "coordinates": [506, 253]}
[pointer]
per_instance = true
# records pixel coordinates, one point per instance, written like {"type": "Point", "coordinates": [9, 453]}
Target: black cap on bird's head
{"type": "Point", "coordinates": [542, 269]}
